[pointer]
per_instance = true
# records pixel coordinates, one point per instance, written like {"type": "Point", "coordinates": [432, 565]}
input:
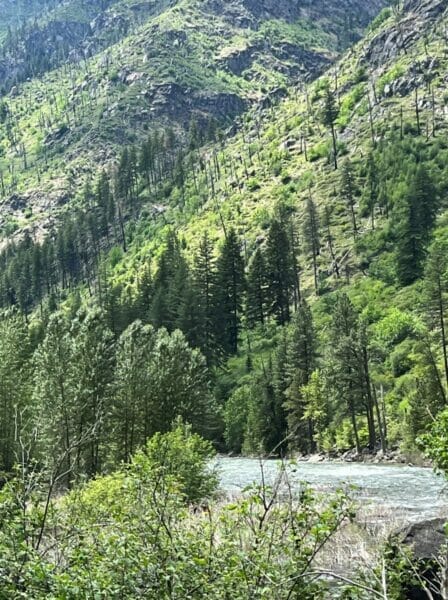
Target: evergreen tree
{"type": "Point", "coordinates": [329, 115]}
{"type": "Point", "coordinates": [279, 271]}
{"type": "Point", "coordinates": [257, 290]}
{"type": "Point", "coordinates": [414, 222]}
{"type": "Point", "coordinates": [265, 431]}
{"type": "Point", "coordinates": [311, 237]}
{"type": "Point", "coordinates": [435, 296]}
{"type": "Point", "coordinates": [169, 285]}
{"type": "Point", "coordinates": [206, 296]}
{"type": "Point", "coordinates": [145, 294]}
{"type": "Point", "coordinates": [15, 389]}
{"type": "Point", "coordinates": [230, 289]}
{"type": "Point", "coordinates": [300, 364]}
{"type": "Point", "coordinates": [343, 366]}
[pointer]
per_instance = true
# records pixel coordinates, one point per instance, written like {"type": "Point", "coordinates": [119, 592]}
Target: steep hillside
{"type": "Point", "coordinates": [329, 191]}
{"type": "Point", "coordinates": [392, 83]}
{"type": "Point", "coordinates": [140, 66]}
{"type": "Point", "coordinates": [223, 227]}
{"type": "Point", "coordinates": [375, 228]}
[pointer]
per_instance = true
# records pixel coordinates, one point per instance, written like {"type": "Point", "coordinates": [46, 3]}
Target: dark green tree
{"type": "Point", "coordinates": [231, 283]}
{"type": "Point", "coordinates": [300, 363]}
{"type": "Point", "coordinates": [414, 220]}
{"type": "Point", "coordinates": [257, 290]}
{"type": "Point", "coordinates": [311, 237]}
{"type": "Point", "coordinates": [279, 271]}
{"type": "Point", "coordinates": [329, 115]}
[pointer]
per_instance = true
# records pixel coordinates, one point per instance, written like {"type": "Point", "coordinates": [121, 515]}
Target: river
{"type": "Point", "coordinates": [409, 493]}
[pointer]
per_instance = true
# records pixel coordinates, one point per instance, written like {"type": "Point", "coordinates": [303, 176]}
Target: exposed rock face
{"type": "Point", "coordinates": [300, 61]}
{"type": "Point", "coordinates": [425, 538]}
{"type": "Point", "coordinates": [428, 9]}
{"type": "Point", "coordinates": [247, 13]}
{"type": "Point", "coordinates": [58, 41]}
{"type": "Point", "coordinates": [173, 101]}
{"type": "Point", "coordinates": [417, 16]}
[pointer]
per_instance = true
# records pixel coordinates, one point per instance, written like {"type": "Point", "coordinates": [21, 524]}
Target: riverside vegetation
{"type": "Point", "coordinates": [226, 215]}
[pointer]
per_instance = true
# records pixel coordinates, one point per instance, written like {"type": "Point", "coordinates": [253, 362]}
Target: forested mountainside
{"type": "Point", "coordinates": [143, 66]}
{"type": "Point", "coordinates": [290, 270]}
{"type": "Point", "coordinates": [223, 227]}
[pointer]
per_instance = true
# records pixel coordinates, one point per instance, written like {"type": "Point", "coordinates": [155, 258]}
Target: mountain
{"type": "Point", "coordinates": [223, 228]}
{"type": "Point", "coordinates": [88, 77]}
{"type": "Point", "coordinates": [264, 178]}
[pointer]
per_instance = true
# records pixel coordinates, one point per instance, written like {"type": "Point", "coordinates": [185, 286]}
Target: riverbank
{"type": "Point", "coordinates": [392, 457]}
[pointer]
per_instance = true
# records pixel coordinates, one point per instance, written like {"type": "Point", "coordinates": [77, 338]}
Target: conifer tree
{"type": "Point", "coordinates": [329, 115]}
{"type": "Point", "coordinates": [145, 294]}
{"type": "Point", "coordinates": [206, 295]}
{"type": "Point", "coordinates": [300, 364]}
{"type": "Point", "coordinates": [231, 285]}
{"type": "Point", "coordinates": [15, 389]}
{"type": "Point", "coordinates": [414, 222]}
{"type": "Point", "coordinates": [169, 285]}
{"type": "Point", "coordinates": [435, 296]}
{"type": "Point", "coordinates": [311, 237]}
{"type": "Point", "coordinates": [344, 361]}
{"type": "Point", "coordinates": [279, 271]}
{"type": "Point", "coordinates": [257, 290]}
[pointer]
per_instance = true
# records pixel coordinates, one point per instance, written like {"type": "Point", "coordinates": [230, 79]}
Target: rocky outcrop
{"type": "Point", "coordinates": [418, 16]}
{"type": "Point", "coordinates": [293, 60]}
{"type": "Point", "coordinates": [42, 46]}
{"type": "Point", "coordinates": [427, 9]}
{"type": "Point", "coordinates": [38, 49]}
{"type": "Point", "coordinates": [174, 102]}
{"type": "Point", "coordinates": [425, 539]}
{"type": "Point", "coordinates": [248, 13]}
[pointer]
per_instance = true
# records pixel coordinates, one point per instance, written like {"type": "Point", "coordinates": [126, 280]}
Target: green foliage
{"type": "Point", "coordinates": [183, 455]}
{"type": "Point", "coordinates": [132, 533]}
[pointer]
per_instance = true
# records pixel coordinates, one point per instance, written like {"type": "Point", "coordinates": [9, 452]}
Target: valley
{"type": "Point", "coordinates": [223, 229]}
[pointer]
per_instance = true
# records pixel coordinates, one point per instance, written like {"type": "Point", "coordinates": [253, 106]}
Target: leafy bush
{"type": "Point", "coordinates": [182, 455]}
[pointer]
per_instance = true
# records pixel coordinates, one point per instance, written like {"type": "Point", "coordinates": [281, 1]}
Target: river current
{"type": "Point", "coordinates": [411, 493]}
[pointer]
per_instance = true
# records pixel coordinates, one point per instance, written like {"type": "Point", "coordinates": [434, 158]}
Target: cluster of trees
{"type": "Point", "coordinates": [311, 388]}
{"type": "Point", "coordinates": [217, 294]}
{"type": "Point", "coordinates": [75, 396]}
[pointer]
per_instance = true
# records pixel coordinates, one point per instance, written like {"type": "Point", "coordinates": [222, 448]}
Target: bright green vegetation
{"type": "Point", "coordinates": [170, 287]}
{"type": "Point", "coordinates": [87, 108]}
{"type": "Point", "coordinates": [154, 529]}
{"type": "Point", "coordinates": [303, 258]}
